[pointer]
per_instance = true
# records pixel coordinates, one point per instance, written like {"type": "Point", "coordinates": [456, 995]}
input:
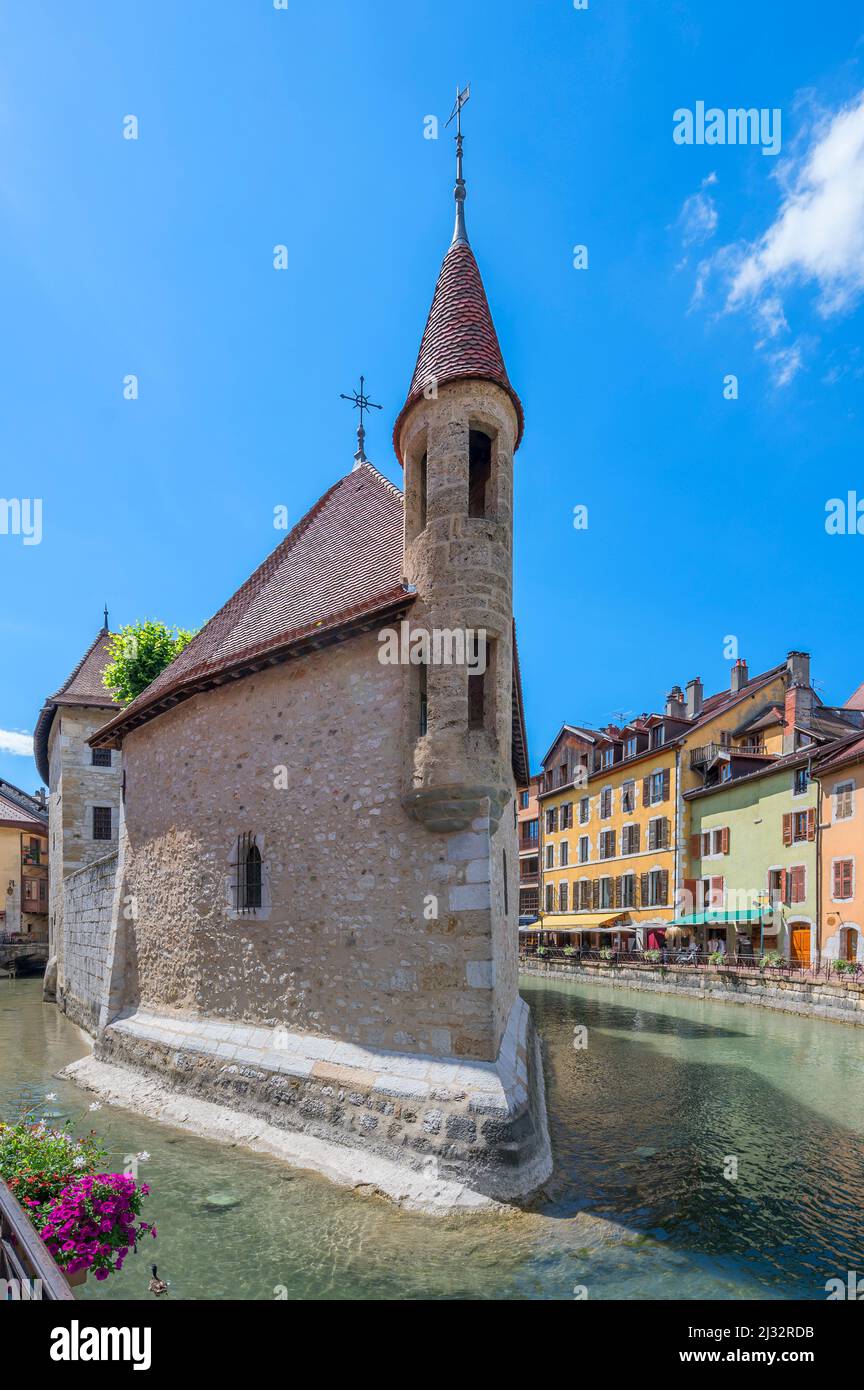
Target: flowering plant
{"type": "Point", "coordinates": [87, 1218]}
{"type": "Point", "coordinates": [93, 1222]}
{"type": "Point", "coordinates": [37, 1162]}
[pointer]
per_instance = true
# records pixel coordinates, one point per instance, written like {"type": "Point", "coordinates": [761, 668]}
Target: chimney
{"type": "Point", "coordinates": [694, 697]}
{"type": "Point", "coordinates": [675, 707]}
{"type": "Point", "coordinates": [798, 711]}
{"type": "Point", "coordinates": [739, 675]}
{"type": "Point", "coordinates": [798, 668]}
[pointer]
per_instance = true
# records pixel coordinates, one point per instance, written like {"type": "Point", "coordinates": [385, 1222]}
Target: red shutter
{"type": "Point", "coordinates": [695, 846]}
{"type": "Point", "coordinates": [689, 905]}
{"type": "Point", "coordinates": [784, 885]}
{"type": "Point", "coordinates": [837, 885]}
{"type": "Point", "coordinates": [811, 824]}
{"type": "Point", "coordinates": [724, 839]}
{"type": "Point", "coordinates": [665, 796]}
{"type": "Point", "coordinates": [787, 829]}
{"type": "Point", "coordinates": [716, 897]}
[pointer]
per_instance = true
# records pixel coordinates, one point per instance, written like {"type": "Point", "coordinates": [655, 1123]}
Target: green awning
{"type": "Point", "coordinates": [715, 917]}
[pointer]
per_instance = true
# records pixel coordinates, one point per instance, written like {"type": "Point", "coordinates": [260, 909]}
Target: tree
{"type": "Point", "coordinates": [138, 653]}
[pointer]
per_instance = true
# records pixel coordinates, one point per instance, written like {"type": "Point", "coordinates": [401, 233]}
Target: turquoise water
{"type": "Point", "coordinates": [643, 1122]}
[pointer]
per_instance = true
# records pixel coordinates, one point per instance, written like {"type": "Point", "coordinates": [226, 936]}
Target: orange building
{"type": "Point", "coordinates": [528, 826]}
{"type": "Point", "coordinates": [840, 773]}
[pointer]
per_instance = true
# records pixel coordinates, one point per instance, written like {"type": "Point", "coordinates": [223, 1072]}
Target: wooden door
{"type": "Point", "coordinates": [847, 944]}
{"type": "Point", "coordinates": [799, 943]}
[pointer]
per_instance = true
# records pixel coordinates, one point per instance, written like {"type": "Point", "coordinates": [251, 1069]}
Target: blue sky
{"type": "Point", "coordinates": [305, 127]}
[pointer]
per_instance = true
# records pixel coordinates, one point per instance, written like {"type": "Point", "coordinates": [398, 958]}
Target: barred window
{"type": "Point", "coordinates": [101, 822]}
{"type": "Point", "coordinates": [247, 881]}
{"type": "Point", "coordinates": [101, 757]}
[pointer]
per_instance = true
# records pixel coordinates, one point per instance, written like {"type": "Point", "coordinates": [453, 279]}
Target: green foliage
{"type": "Point", "coordinates": [716, 958]}
{"type": "Point", "coordinates": [37, 1162]}
{"type": "Point", "coordinates": [846, 967]}
{"type": "Point", "coordinates": [652, 954]}
{"type": "Point", "coordinates": [138, 654]}
{"type": "Point", "coordinates": [605, 953]}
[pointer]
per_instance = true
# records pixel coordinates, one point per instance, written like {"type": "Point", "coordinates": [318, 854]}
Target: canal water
{"type": "Point", "coordinates": [646, 1120]}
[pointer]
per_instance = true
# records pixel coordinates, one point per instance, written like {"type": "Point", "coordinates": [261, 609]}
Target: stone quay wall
{"type": "Point", "coordinates": [88, 903]}
{"type": "Point", "coordinates": [835, 1000]}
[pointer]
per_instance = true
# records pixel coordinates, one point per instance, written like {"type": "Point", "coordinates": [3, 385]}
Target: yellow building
{"type": "Point", "coordinates": [23, 865]}
{"type": "Point", "coordinates": [616, 858]}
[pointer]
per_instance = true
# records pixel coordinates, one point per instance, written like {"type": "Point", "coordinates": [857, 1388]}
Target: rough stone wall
{"type": "Point", "coordinates": [88, 906]}
{"type": "Point", "coordinates": [838, 1001]}
{"type": "Point", "coordinates": [379, 931]}
{"type": "Point", "coordinates": [75, 787]}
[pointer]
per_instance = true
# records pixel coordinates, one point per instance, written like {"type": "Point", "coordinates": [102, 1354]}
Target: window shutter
{"type": "Point", "coordinates": [724, 839]}
{"type": "Point", "coordinates": [689, 905]}
{"type": "Point", "coordinates": [643, 888]}
{"type": "Point", "coordinates": [634, 839]}
{"type": "Point", "coordinates": [595, 893]}
{"type": "Point", "coordinates": [695, 846]}
{"type": "Point", "coordinates": [618, 891]}
{"type": "Point", "coordinates": [665, 796]}
{"type": "Point", "coordinates": [664, 843]}
{"type": "Point", "coordinates": [784, 885]}
{"type": "Point", "coordinates": [646, 791]}
{"type": "Point", "coordinates": [811, 824]}
{"type": "Point", "coordinates": [838, 881]}
{"type": "Point", "coordinates": [787, 829]}
{"type": "Point", "coordinates": [664, 885]}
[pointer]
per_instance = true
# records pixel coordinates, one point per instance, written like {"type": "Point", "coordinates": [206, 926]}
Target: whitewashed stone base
{"type": "Point", "coordinates": [430, 1133]}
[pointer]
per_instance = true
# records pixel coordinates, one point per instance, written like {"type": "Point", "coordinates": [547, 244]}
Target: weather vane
{"type": "Point", "coordinates": [362, 403]}
{"type": "Point", "coordinates": [459, 233]}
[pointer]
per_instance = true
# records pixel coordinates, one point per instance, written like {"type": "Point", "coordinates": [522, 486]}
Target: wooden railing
{"type": "Point", "coordinates": [25, 1264]}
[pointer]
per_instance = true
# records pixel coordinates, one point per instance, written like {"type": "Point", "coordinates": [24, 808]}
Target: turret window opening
{"type": "Point", "coordinates": [479, 473]}
{"type": "Point", "coordinates": [423, 719]}
{"type": "Point", "coordinates": [422, 487]}
{"type": "Point", "coordinates": [481, 686]}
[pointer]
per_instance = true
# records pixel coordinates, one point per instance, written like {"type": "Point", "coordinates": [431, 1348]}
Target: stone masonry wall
{"type": "Point", "coordinates": [840, 1002]}
{"type": "Point", "coordinates": [375, 930]}
{"type": "Point", "coordinates": [88, 904]}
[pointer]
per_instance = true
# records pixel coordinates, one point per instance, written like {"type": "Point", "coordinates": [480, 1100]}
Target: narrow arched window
{"type": "Point", "coordinates": [248, 881]}
{"type": "Point", "coordinates": [479, 473]}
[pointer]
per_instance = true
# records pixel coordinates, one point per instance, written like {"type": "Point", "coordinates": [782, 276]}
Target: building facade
{"type": "Point", "coordinates": [840, 779]}
{"type": "Point", "coordinates": [661, 821]}
{"type": "Point", "coordinates": [528, 828]}
{"type": "Point", "coordinates": [84, 786]}
{"type": "Point", "coordinates": [318, 846]}
{"type": "Point", "coordinates": [23, 864]}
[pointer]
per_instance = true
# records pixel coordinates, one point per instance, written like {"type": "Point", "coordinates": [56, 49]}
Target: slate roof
{"type": "Point", "coordinates": [16, 817]}
{"type": "Point", "coordinates": [459, 340]}
{"type": "Point", "coordinates": [83, 687]}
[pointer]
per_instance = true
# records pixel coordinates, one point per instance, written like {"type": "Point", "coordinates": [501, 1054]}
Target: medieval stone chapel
{"type": "Point", "coordinates": [312, 915]}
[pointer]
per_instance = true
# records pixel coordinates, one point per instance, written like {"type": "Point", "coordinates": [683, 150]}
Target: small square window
{"type": "Point", "coordinates": [101, 757]}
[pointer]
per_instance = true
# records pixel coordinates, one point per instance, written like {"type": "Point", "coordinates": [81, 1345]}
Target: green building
{"type": "Point", "coordinates": [753, 842]}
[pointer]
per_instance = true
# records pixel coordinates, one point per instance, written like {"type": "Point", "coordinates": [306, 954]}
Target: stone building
{"type": "Point", "coordinates": [83, 785]}
{"type": "Point", "coordinates": [315, 913]}
{"type": "Point", "coordinates": [23, 864]}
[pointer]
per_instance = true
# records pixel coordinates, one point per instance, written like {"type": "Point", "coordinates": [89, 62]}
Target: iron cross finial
{"type": "Point", "coordinates": [459, 232]}
{"type": "Point", "coordinates": [105, 624]}
{"type": "Point", "coordinates": [361, 402]}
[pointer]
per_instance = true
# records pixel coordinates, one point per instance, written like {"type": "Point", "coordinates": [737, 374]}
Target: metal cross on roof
{"type": "Point", "coordinates": [361, 401]}
{"type": "Point", "coordinates": [459, 232]}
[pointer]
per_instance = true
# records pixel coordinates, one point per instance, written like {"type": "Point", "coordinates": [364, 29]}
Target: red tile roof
{"type": "Point", "coordinates": [856, 701]}
{"type": "Point", "coordinates": [340, 570]}
{"type": "Point", "coordinates": [343, 560]}
{"type": "Point", "coordinates": [459, 340]}
{"type": "Point", "coordinates": [847, 750]}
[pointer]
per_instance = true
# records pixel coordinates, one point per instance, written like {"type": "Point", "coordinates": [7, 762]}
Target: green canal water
{"type": "Point", "coordinates": [643, 1122]}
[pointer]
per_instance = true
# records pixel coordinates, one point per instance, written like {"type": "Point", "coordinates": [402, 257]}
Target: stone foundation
{"type": "Point", "coordinates": [839, 1002]}
{"type": "Point", "coordinates": [88, 905]}
{"type": "Point", "coordinates": [460, 1132]}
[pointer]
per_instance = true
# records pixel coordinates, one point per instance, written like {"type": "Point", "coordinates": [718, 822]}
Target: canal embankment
{"type": "Point", "coordinates": [836, 1000]}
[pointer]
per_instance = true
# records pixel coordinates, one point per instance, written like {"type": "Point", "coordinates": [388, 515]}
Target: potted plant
{"type": "Point", "coordinates": [605, 953]}
{"type": "Point", "coordinates": [87, 1217]}
{"type": "Point", "coordinates": [653, 954]}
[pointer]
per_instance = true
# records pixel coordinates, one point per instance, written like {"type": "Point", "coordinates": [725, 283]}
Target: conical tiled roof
{"type": "Point", "coordinates": [460, 339]}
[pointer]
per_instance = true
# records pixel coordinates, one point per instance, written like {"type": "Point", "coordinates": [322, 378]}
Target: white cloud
{"type": "Point", "coordinates": [19, 744]}
{"type": "Point", "coordinates": [786, 364]}
{"type": "Point", "coordinates": [698, 219]}
{"type": "Point", "coordinates": [817, 236]}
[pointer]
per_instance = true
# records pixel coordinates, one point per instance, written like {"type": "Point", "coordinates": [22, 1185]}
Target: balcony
{"type": "Point", "coordinates": [753, 748]}
{"type": "Point", "coordinates": [34, 857]}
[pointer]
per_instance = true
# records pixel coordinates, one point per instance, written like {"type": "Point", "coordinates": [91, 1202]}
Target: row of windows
{"type": "Point", "coordinates": [625, 890]}
{"type": "Point", "coordinates": [659, 837]}
{"type": "Point", "coordinates": [655, 789]}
